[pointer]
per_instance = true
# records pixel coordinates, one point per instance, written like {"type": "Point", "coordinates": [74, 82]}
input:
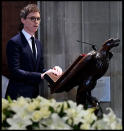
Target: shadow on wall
{"type": "Point", "coordinates": [5, 81]}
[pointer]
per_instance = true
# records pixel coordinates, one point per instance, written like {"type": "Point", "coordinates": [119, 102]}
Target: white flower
{"type": "Point", "coordinates": [40, 113]}
{"type": "Point", "coordinates": [54, 122]}
{"type": "Point", "coordinates": [109, 121]}
{"type": "Point", "coordinates": [18, 122]}
{"type": "Point", "coordinates": [3, 117]}
{"type": "Point", "coordinates": [5, 104]}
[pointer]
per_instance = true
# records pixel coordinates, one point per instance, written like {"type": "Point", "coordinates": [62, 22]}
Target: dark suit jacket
{"type": "Point", "coordinates": [25, 70]}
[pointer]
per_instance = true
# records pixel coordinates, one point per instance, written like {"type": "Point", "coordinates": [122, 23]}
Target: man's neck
{"type": "Point", "coordinates": [32, 34]}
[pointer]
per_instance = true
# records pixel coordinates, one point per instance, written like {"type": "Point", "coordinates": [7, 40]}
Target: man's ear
{"type": "Point", "coordinates": [23, 20]}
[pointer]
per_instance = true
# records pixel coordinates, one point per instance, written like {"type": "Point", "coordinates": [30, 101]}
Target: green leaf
{"type": "Point", "coordinates": [8, 113]}
{"type": "Point", "coordinates": [5, 124]}
{"type": "Point", "coordinates": [51, 109]}
{"type": "Point", "coordinates": [68, 104]}
{"type": "Point", "coordinates": [9, 99]}
{"type": "Point", "coordinates": [62, 113]}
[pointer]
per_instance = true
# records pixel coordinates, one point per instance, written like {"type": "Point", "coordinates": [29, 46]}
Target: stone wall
{"type": "Point", "coordinates": [65, 22]}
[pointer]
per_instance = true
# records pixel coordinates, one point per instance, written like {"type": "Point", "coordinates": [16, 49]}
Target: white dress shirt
{"type": "Point", "coordinates": [28, 38]}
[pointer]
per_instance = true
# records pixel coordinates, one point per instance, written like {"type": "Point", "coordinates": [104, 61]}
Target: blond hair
{"type": "Point", "coordinates": [28, 9]}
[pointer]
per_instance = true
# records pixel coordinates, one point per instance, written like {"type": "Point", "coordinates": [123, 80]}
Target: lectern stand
{"type": "Point", "coordinates": [84, 72]}
{"type": "Point", "coordinates": [65, 81]}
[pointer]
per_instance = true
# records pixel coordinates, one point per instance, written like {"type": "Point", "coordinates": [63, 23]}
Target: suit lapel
{"type": "Point", "coordinates": [38, 53]}
{"type": "Point", "coordinates": [26, 44]}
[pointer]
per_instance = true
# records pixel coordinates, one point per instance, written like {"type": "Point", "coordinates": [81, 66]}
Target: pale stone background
{"type": "Point", "coordinates": [64, 22]}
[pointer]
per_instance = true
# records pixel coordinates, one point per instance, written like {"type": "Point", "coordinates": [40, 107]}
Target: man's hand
{"type": "Point", "coordinates": [56, 71]}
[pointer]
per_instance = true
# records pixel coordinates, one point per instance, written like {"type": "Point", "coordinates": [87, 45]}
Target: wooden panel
{"type": "Point", "coordinates": [10, 26]}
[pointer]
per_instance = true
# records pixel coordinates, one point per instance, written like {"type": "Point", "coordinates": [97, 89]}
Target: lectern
{"type": "Point", "coordinates": [67, 80]}
{"type": "Point", "coordinates": [84, 72]}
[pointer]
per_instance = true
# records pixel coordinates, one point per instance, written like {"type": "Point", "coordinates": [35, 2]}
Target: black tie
{"type": "Point", "coordinates": [33, 47]}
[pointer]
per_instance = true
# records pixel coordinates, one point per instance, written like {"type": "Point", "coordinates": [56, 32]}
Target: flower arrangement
{"type": "Point", "coordinates": [42, 113]}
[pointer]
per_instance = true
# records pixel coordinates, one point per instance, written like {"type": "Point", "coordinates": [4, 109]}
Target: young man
{"type": "Point", "coordinates": [25, 58]}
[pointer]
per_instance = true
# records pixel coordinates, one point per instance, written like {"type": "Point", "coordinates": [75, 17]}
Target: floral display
{"type": "Point", "coordinates": [42, 113]}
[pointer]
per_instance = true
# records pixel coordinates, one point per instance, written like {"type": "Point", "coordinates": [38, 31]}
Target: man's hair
{"type": "Point", "coordinates": [28, 9]}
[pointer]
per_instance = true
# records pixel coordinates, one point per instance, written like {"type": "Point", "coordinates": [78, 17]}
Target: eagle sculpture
{"type": "Point", "coordinates": [84, 72]}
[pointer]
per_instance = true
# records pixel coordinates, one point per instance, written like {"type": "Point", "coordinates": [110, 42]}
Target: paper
{"type": "Point", "coordinates": [102, 89]}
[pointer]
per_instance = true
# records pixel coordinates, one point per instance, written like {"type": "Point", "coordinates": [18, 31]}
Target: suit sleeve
{"type": "Point", "coordinates": [13, 57]}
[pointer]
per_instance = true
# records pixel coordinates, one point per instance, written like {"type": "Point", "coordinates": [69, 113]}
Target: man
{"type": "Point", "coordinates": [25, 62]}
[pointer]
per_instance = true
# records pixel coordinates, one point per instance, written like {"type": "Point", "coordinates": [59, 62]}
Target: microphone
{"type": "Point", "coordinates": [93, 45]}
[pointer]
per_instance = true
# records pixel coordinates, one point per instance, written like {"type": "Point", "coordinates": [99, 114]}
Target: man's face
{"type": "Point", "coordinates": [31, 22]}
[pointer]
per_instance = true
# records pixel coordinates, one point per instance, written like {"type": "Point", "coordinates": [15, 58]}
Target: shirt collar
{"type": "Point", "coordinates": [26, 34]}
